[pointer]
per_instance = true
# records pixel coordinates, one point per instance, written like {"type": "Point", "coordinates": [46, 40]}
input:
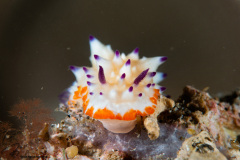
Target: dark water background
{"type": "Point", "coordinates": [40, 39]}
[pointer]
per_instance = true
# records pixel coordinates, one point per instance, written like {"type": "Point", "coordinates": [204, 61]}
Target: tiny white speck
{"type": "Point", "coordinates": [112, 74]}
{"type": "Point", "coordinates": [134, 69]}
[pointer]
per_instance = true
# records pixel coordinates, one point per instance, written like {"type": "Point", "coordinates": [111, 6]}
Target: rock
{"type": "Point", "coordinates": [151, 122]}
{"type": "Point", "coordinates": [71, 151]}
{"type": "Point", "coordinates": [234, 154]}
{"type": "Point", "coordinates": [200, 147]}
{"type": "Point", "coordinates": [44, 134]}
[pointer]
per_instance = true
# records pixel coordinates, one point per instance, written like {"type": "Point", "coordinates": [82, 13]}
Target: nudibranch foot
{"type": "Point", "coordinates": [117, 88]}
{"type": "Point", "coordinates": [118, 126]}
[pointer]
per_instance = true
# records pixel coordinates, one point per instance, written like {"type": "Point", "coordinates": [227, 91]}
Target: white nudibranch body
{"type": "Point", "coordinates": [118, 87]}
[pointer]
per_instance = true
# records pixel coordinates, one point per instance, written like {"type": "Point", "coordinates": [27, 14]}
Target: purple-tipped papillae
{"type": "Point", "coordinates": [123, 76]}
{"type": "Point", "coordinates": [163, 89]}
{"type": "Point", "coordinates": [164, 75]}
{"type": "Point", "coordinates": [72, 68]}
{"type": "Point", "coordinates": [91, 38]}
{"type": "Point", "coordinates": [141, 77]}
{"type": "Point", "coordinates": [152, 74]}
{"type": "Point", "coordinates": [89, 83]}
{"type": "Point", "coordinates": [101, 75]}
{"type": "Point", "coordinates": [168, 96]}
{"type": "Point", "coordinates": [89, 76]}
{"type": "Point", "coordinates": [140, 95]}
{"type": "Point", "coordinates": [148, 85]}
{"type": "Point", "coordinates": [136, 50]}
{"type": "Point", "coordinates": [128, 62]}
{"type": "Point", "coordinates": [117, 53]}
{"type": "Point", "coordinates": [162, 59]}
{"type": "Point", "coordinates": [63, 97]}
{"type": "Point", "coordinates": [130, 89]}
{"type": "Point", "coordinates": [85, 69]}
{"type": "Point", "coordinates": [96, 57]}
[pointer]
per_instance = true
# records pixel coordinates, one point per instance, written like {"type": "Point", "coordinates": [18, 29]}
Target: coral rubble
{"type": "Point", "coordinates": [23, 142]}
{"type": "Point", "coordinates": [196, 126]}
{"type": "Point", "coordinates": [199, 147]}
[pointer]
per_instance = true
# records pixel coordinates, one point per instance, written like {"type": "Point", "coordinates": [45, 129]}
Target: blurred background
{"type": "Point", "coordinates": [40, 39]}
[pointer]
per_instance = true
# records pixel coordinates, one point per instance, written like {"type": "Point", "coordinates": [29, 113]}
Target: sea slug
{"type": "Point", "coordinates": [118, 87]}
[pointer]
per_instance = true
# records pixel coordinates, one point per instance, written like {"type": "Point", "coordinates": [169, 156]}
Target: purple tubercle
{"type": "Point", "coordinates": [128, 62]}
{"type": "Point", "coordinates": [164, 75]}
{"type": "Point", "coordinates": [163, 59]}
{"type": "Point", "coordinates": [168, 96]}
{"type": "Point", "coordinates": [130, 89]}
{"type": "Point", "coordinates": [96, 57]}
{"type": "Point", "coordinates": [140, 95]}
{"type": "Point", "coordinates": [85, 69]}
{"type": "Point", "coordinates": [101, 93]}
{"type": "Point", "coordinates": [152, 74]}
{"type": "Point", "coordinates": [91, 38]}
{"type": "Point", "coordinates": [117, 53]}
{"type": "Point", "coordinates": [89, 76]}
{"type": "Point", "coordinates": [148, 85]}
{"type": "Point", "coordinates": [72, 68]}
{"type": "Point", "coordinates": [101, 75]}
{"type": "Point", "coordinates": [123, 76]}
{"type": "Point", "coordinates": [136, 50]}
{"type": "Point", "coordinates": [64, 96]}
{"type": "Point", "coordinates": [153, 84]}
{"type": "Point", "coordinates": [91, 93]}
{"type": "Point", "coordinates": [141, 77]}
{"type": "Point", "coordinates": [163, 89]}
{"type": "Point", "coordinates": [89, 83]}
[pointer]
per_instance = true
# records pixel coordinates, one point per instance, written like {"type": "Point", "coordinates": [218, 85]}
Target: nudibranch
{"type": "Point", "coordinates": [118, 87]}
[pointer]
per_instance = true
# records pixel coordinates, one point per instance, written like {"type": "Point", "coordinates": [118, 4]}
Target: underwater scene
{"type": "Point", "coordinates": [120, 80]}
